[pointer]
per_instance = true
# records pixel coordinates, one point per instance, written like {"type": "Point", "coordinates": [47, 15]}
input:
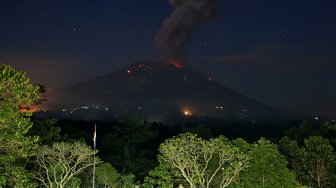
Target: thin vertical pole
{"type": "Point", "coordinates": [94, 157]}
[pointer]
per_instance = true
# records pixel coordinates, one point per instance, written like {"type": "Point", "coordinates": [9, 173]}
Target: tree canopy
{"type": "Point", "coordinates": [267, 167]}
{"type": "Point", "coordinates": [200, 161]}
{"type": "Point", "coordinates": [16, 92]}
{"type": "Point", "coordinates": [61, 162]}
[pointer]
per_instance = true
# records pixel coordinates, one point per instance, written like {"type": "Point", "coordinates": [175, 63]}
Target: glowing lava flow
{"type": "Point", "coordinates": [176, 63]}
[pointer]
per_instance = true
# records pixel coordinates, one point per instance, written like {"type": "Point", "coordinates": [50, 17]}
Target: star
{"type": "Point", "coordinates": [74, 28]}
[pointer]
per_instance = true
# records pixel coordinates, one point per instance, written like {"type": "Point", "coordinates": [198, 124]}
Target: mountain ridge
{"type": "Point", "coordinates": [152, 89]}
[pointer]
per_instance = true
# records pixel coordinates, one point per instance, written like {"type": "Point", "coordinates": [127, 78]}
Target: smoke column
{"type": "Point", "coordinates": [176, 30]}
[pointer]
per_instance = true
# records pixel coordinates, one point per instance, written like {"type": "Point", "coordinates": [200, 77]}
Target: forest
{"type": "Point", "coordinates": [131, 152]}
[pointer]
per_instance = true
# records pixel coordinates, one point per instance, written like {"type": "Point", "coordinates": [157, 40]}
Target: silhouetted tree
{"type": "Point", "coordinates": [124, 149]}
{"type": "Point", "coordinates": [47, 131]}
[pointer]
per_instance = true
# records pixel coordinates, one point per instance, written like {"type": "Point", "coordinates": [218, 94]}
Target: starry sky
{"type": "Point", "coordinates": [280, 52]}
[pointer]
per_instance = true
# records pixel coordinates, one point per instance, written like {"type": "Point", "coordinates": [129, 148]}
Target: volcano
{"type": "Point", "coordinates": [157, 90]}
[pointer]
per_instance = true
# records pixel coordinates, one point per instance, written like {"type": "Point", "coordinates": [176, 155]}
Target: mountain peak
{"type": "Point", "coordinates": [154, 89]}
{"type": "Point", "coordinates": [157, 65]}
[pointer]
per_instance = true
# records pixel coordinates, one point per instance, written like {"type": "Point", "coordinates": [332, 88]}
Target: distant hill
{"type": "Point", "coordinates": [156, 90]}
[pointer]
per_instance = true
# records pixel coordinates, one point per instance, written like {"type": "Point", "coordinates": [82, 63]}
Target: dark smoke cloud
{"type": "Point", "coordinates": [177, 28]}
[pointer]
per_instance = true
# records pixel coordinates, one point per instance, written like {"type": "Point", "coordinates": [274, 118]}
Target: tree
{"type": "Point", "coordinates": [107, 176]}
{"type": "Point", "coordinates": [290, 149]}
{"type": "Point", "coordinates": [61, 162]}
{"type": "Point", "coordinates": [124, 147]}
{"type": "Point", "coordinates": [165, 176]}
{"type": "Point", "coordinates": [132, 133]}
{"type": "Point", "coordinates": [327, 131]}
{"type": "Point", "coordinates": [47, 132]}
{"type": "Point", "coordinates": [299, 133]}
{"type": "Point", "coordinates": [267, 168]}
{"type": "Point", "coordinates": [314, 163]}
{"type": "Point", "coordinates": [199, 161]}
{"type": "Point", "coordinates": [318, 160]}
{"type": "Point", "coordinates": [16, 92]}
{"type": "Point", "coordinates": [128, 181]}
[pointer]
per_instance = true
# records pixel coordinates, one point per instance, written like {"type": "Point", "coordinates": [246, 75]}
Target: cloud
{"type": "Point", "coordinates": [176, 30]}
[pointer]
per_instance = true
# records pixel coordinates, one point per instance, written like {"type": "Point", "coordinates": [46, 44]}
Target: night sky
{"type": "Point", "coordinates": [281, 53]}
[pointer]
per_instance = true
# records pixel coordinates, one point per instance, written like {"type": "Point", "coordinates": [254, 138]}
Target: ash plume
{"type": "Point", "coordinates": [176, 30]}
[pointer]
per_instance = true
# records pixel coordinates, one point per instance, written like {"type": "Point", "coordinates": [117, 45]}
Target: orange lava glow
{"type": "Point", "coordinates": [187, 113]}
{"type": "Point", "coordinates": [176, 63]}
{"type": "Point", "coordinates": [31, 108]}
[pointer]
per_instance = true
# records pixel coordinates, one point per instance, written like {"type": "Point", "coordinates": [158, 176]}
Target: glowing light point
{"type": "Point", "coordinates": [128, 71]}
{"type": "Point", "coordinates": [187, 113]}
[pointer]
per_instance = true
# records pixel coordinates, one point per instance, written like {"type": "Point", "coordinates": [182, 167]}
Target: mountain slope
{"type": "Point", "coordinates": [160, 90]}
